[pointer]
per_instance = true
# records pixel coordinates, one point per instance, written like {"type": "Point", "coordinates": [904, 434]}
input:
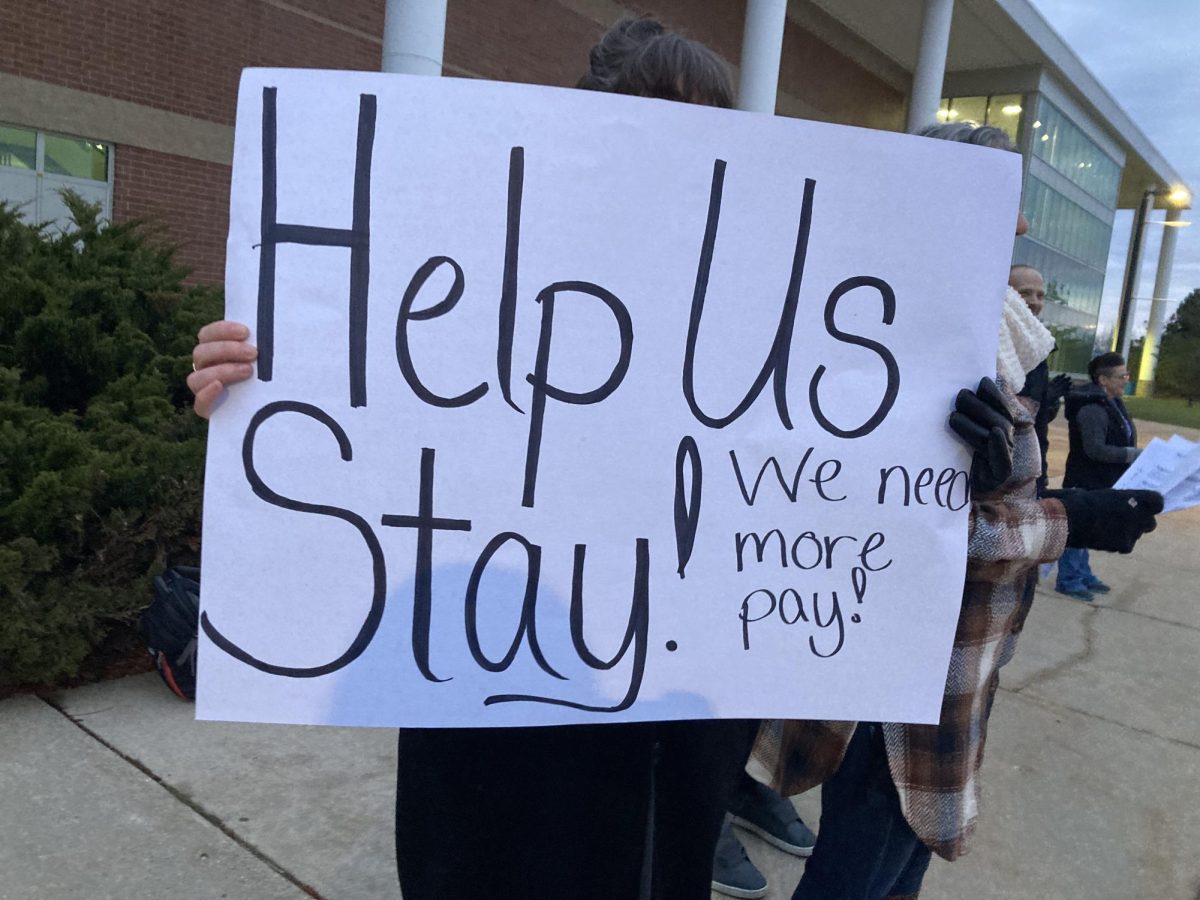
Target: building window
{"type": "Point", "coordinates": [1064, 146]}
{"type": "Point", "coordinates": [1002, 111]}
{"type": "Point", "coordinates": [76, 158]}
{"type": "Point", "coordinates": [18, 148]}
{"type": "Point", "coordinates": [36, 167]}
{"type": "Point", "coordinates": [1069, 246]}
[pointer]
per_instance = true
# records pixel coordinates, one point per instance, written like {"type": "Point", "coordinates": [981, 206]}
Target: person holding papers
{"type": "Point", "coordinates": [1103, 443]}
{"type": "Point", "coordinates": [895, 793]}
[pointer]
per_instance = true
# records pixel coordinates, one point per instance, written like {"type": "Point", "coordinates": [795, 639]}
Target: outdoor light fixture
{"type": "Point", "coordinates": [1179, 196]}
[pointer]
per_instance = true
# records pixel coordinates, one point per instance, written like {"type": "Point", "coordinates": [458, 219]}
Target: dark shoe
{"type": "Point", "coordinates": [1078, 594]}
{"type": "Point", "coordinates": [733, 873]}
{"type": "Point", "coordinates": [772, 817]}
{"type": "Point", "coordinates": [1098, 587]}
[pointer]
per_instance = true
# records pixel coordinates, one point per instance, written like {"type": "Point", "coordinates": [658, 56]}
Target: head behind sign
{"type": "Point", "coordinates": [1028, 282]}
{"type": "Point", "coordinates": [983, 136]}
{"type": "Point", "coordinates": [639, 56]}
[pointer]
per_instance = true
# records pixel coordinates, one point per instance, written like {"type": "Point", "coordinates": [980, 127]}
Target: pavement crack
{"type": "Point", "coordinates": [1141, 615]}
{"type": "Point", "coordinates": [189, 802]}
{"type": "Point", "coordinates": [1089, 648]}
{"type": "Point", "coordinates": [1054, 705]}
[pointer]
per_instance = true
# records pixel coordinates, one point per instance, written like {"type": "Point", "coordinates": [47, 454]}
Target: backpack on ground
{"type": "Point", "coordinates": [170, 625]}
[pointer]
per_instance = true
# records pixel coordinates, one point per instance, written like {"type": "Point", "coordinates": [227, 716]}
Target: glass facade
{"type": "Point", "coordinates": [1070, 229]}
{"type": "Point", "coordinates": [1070, 218]}
{"type": "Point", "coordinates": [1062, 144]}
{"type": "Point", "coordinates": [1000, 110]}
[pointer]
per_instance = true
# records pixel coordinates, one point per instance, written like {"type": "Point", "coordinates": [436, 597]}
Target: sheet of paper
{"type": "Point", "coordinates": [576, 407]}
{"type": "Point", "coordinates": [1186, 491]}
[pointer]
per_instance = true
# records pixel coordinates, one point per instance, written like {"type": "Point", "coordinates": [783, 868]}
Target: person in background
{"type": "Point", "coordinates": [586, 812]}
{"type": "Point", "coordinates": [893, 793]}
{"type": "Point", "coordinates": [1047, 392]}
{"type": "Point", "coordinates": [1103, 442]}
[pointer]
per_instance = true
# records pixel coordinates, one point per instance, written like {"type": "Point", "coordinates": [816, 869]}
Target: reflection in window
{"type": "Point", "coordinates": [1064, 225]}
{"type": "Point", "coordinates": [1064, 146]}
{"type": "Point", "coordinates": [18, 147]}
{"type": "Point", "coordinates": [1073, 294]}
{"type": "Point", "coordinates": [1000, 110]}
{"type": "Point", "coordinates": [76, 158]}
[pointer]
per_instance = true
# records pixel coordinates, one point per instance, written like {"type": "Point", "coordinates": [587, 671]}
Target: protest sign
{"type": "Point", "coordinates": [577, 407]}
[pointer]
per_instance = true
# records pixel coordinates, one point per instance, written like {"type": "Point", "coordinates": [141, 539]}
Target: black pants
{"type": "Point", "coordinates": [561, 812]}
{"type": "Point", "coordinates": [865, 848]}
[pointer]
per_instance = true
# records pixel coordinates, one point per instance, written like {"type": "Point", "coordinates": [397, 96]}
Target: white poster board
{"type": "Point", "coordinates": [577, 407]}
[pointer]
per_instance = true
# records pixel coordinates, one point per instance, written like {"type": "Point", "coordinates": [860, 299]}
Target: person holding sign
{"type": "Point", "coordinates": [896, 793]}
{"type": "Point", "coordinates": [580, 811]}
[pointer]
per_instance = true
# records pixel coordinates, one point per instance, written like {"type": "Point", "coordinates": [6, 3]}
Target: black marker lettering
{"type": "Point", "coordinates": [539, 378]}
{"type": "Point", "coordinates": [508, 289]}
{"type": "Point", "coordinates": [893, 371]}
{"type": "Point", "coordinates": [378, 568]}
{"type": "Point", "coordinates": [406, 315]}
{"type": "Point", "coordinates": [776, 364]}
{"type": "Point", "coordinates": [636, 635]}
{"type": "Point", "coordinates": [425, 525]}
{"type": "Point", "coordinates": [527, 626]}
{"type": "Point", "coordinates": [357, 238]}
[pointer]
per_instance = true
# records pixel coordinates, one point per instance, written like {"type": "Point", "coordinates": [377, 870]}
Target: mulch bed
{"type": "Point", "coordinates": [123, 652]}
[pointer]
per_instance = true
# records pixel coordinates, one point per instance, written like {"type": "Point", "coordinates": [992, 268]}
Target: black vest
{"type": "Point", "coordinates": [1082, 471]}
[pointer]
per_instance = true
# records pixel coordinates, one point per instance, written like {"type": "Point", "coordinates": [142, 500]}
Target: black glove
{"type": "Point", "coordinates": [1108, 519]}
{"type": "Point", "coordinates": [982, 420]}
{"type": "Point", "coordinates": [1059, 387]}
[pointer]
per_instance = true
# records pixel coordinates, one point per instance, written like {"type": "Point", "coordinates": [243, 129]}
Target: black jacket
{"type": "Point", "coordinates": [1102, 439]}
{"type": "Point", "coordinates": [1037, 383]}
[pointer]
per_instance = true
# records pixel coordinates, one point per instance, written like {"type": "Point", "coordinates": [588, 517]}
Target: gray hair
{"type": "Point", "coordinates": [983, 135]}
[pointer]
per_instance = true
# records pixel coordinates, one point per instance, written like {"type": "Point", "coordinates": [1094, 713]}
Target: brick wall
{"type": "Point", "coordinates": [180, 56]}
{"type": "Point", "coordinates": [186, 201]}
{"type": "Point", "coordinates": [186, 58]}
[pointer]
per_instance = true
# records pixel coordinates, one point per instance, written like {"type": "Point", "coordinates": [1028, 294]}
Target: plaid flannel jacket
{"type": "Point", "coordinates": [936, 767]}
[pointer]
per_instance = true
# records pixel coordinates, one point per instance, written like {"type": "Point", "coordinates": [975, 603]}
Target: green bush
{"type": "Point", "coordinates": [101, 459]}
{"type": "Point", "coordinates": [1178, 372]}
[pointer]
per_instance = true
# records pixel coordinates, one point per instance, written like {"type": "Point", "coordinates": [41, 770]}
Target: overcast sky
{"type": "Point", "coordinates": [1147, 55]}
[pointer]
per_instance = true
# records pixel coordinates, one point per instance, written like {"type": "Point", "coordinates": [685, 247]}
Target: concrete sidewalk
{"type": "Point", "coordinates": [1092, 781]}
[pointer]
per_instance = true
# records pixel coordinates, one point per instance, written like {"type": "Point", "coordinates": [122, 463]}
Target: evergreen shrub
{"type": "Point", "coordinates": [101, 458]}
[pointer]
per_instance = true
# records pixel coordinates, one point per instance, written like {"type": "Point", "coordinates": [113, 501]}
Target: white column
{"type": "Point", "coordinates": [1158, 306]}
{"type": "Point", "coordinates": [414, 36]}
{"type": "Point", "coordinates": [1127, 312]}
{"type": "Point", "coordinates": [762, 46]}
{"type": "Point", "coordinates": [931, 65]}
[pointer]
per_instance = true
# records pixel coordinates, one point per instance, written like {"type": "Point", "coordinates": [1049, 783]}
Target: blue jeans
{"type": "Point", "coordinates": [1074, 571]}
{"type": "Point", "coordinates": [865, 849]}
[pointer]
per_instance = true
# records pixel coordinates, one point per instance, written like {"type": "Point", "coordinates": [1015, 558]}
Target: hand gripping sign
{"type": "Point", "coordinates": [578, 407]}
